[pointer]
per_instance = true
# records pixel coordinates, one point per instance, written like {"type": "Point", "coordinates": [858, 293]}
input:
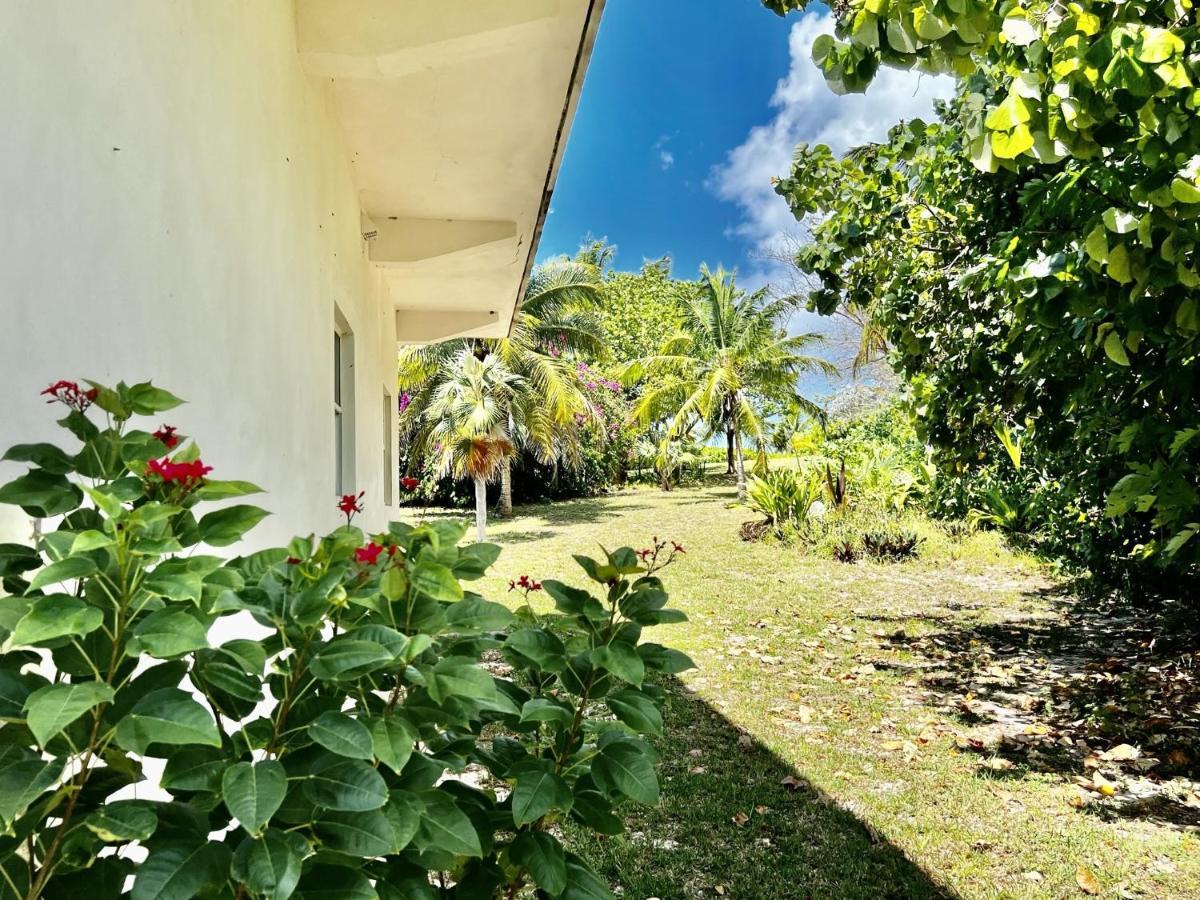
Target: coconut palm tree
{"type": "Point", "coordinates": [543, 409]}
{"type": "Point", "coordinates": [468, 423]}
{"type": "Point", "coordinates": [732, 348]}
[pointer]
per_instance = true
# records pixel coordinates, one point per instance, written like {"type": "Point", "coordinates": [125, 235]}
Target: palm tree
{"type": "Point", "coordinates": [543, 408]}
{"type": "Point", "coordinates": [468, 418]}
{"type": "Point", "coordinates": [732, 348]}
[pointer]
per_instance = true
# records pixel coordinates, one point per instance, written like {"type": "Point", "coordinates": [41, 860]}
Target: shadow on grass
{"type": "Point", "coordinates": [794, 842]}
{"type": "Point", "coordinates": [1097, 687]}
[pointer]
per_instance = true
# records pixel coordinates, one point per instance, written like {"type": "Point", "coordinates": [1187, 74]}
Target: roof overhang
{"type": "Point", "coordinates": [455, 116]}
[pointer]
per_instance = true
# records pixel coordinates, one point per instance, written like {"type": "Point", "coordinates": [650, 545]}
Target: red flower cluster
{"type": "Point", "coordinates": [69, 394]}
{"type": "Point", "coordinates": [166, 435]}
{"type": "Point", "coordinates": [351, 504]}
{"type": "Point", "coordinates": [525, 583]}
{"type": "Point", "coordinates": [187, 474]}
{"type": "Point", "coordinates": [368, 555]}
{"type": "Point", "coordinates": [409, 483]}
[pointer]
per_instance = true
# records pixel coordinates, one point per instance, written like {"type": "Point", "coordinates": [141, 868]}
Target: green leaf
{"type": "Point", "coordinates": [253, 792]}
{"type": "Point", "coordinates": [166, 716]}
{"type": "Point", "coordinates": [623, 767]}
{"type": "Point", "coordinates": [1114, 349]}
{"type": "Point", "coordinates": [194, 769]}
{"type": "Point", "coordinates": [1118, 264]}
{"type": "Point", "coordinates": [542, 855]}
{"type": "Point", "coordinates": [445, 827]}
{"type": "Point", "coordinates": [595, 811]}
{"type": "Point", "coordinates": [335, 883]}
{"type": "Point", "coordinates": [622, 660]}
{"type": "Point", "coordinates": [223, 527]}
{"type": "Point", "coordinates": [538, 790]}
{"type": "Point", "coordinates": [665, 660]}
{"type": "Point", "coordinates": [636, 710]}
{"type": "Point", "coordinates": [144, 399]}
{"type": "Point", "coordinates": [583, 883]}
{"type": "Point", "coordinates": [270, 866]}
{"type": "Point", "coordinates": [1185, 191]}
{"type": "Point", "coordinates": [346, 785]}
{"type": "Point", "coordinates": [17, 558]}
{"type": "Point", "coordinates": [23, 778]}
{"type": "Point", "coordinates": [436, 582]}
{"type": "Point", "coordinates": [91, 539]}
{"type": "Point", "coordinates": [403, 812]}
{"type": "Point", "coordinates": [339, 733]}
{"type": "Point", "coordinates": [54, 617]}
{"type": "Point", "coordinates": [64, 570]}
{"type": "Point", "coordinates": [44, 456]}
{"type": "Point", "coordinates": [50, 709]}
{"type": "Point", "coordinates": [475, 614]}
{"type": "Point", "coordinates": [456, 676]}
{"type": "Point", "coordinates": [537, 647]}
{"type": "Point", "coordinates": [575, 602]}
{"type": "Point", "coordinates": [346, 658]}
{"type": "Point", "coordinates": [167, 633]}
{"type": "Point", "coordinates": [393, 738]}
{"type": "Point", "coordinates": [123, 820]}
{"type": "Point", "coordinates": [543, 709]}
{"type": "Point", "coordinates": [225, 490]}
{"type": "Point", "coordinates": [365, 834]}
{"type": "Point", "coordinates": [179, 871]}
{"type": "Point", "coordinates": [42, 494]}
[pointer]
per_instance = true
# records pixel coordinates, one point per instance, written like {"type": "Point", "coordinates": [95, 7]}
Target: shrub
{"type": "Point", "coordinates": [349, 743]}
{"type": "Point", "coordinates": [891, 545]}
{"type": "Point", "coordinates": [784, 496]}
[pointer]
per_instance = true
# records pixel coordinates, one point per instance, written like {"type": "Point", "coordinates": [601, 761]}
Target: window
{"type": "Point", "coordinates": [343, 406]}
{"type": "Point", "coordinates": [389, 468]}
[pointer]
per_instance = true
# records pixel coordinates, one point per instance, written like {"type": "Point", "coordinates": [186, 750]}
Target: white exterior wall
{"type": "Point", "coordinates": [176, 204]}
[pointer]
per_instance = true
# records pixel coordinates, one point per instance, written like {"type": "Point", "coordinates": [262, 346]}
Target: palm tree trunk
{"type": "Point", "coordinates": [504, 510]}
{"type": "Point", "coordinates": [729, 469]}
{"type": "Point", "coordinates": [741, 465]}
{"type": "Point", "coordinates": [480, 510]}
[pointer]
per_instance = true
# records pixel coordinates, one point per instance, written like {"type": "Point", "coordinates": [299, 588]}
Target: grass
{"type": "Point", "coordinates": [808, 756]}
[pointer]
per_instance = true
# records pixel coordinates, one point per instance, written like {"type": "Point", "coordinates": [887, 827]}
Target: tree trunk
{"type": "Point", "coordinates": [480, 510]}
{"type": "Point", "coordinates": [729, 469]}
{"type": "Point", "coordinates": [741, 465]}
{"type": "Point", "coordinates": [504, 509]}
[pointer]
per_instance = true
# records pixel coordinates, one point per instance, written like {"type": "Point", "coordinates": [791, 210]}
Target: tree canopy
{"type": "Point", "coordinates": [1034, 255]}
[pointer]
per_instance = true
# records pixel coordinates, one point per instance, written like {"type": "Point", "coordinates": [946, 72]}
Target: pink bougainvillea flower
{"type": "Point", "coordinates": [405, 400]}
{"type": "Point", "coordinates": [409, 483]}
{"type": "Point", "coordinates": [167, 436]}
{"type": "Point", "coordinates": [69, 394]}
{"type": "Point", "coordinates": [188, 474]}
{"type": "Point", "coordinates": [368, 555]}
{"type": "Point", "coordinates": [350, 504]}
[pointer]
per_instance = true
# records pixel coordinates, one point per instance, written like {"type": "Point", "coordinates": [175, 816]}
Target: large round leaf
{"type": "Point", "coordinates": [253, 792]}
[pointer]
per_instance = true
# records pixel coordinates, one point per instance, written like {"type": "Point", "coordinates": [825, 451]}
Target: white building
{"type": "Point", "coordinates": [251, 202]}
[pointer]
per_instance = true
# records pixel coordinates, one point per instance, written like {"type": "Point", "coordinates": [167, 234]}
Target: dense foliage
{"type": "Point", "coordinates": [376, 730]}
{"type": "Point", "coordinates": [731, 351]}
{"type": "Point", "coordinates": [1033, 258]}
{"type": "Point", "coordinates": [642, 309]}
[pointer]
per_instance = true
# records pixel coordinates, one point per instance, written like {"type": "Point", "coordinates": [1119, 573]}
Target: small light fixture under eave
{"type": "Point", "coordinates": [369, 229]}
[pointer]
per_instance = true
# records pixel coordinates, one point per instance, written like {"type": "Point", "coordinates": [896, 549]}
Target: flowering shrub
{"type": "Point", "coordinates": [337, 746]}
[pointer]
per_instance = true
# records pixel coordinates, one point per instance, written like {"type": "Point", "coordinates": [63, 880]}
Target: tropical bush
{"type": "Point", "coordinates": [784, 497]}
{"type": "Point", "coordinates": [376, 729]}
{"type": "Point", "coordinates": [1033, 254]}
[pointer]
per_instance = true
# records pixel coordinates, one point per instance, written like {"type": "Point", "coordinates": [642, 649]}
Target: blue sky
{"type": "Point", "coordinates": [687, 112]}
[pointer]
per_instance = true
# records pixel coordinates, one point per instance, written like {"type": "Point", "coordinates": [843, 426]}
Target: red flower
{"type": "Point", "coordinates": [167, 436]}
{"type": "Point", "coordinates": [351, 504]}
{"type": "Point", "coordinates": [409, 483]}
{"type": "Point", "coordinates": [293, 560]}
{"type": "Point", "coordinates": [678, 547]}
{"type": "Point", "coordinates": [69, 394]}
{"type": "Point", "coordinates": [645, 554]}
{"type": "Point", "coordinates": [187, 474]}
{"type": "Point", "coordinates": [368, 555]}
{"type": "Point", "coordinates": [525, 583]}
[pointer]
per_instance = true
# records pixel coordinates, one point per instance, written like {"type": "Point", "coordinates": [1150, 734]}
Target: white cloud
{"type": "Point", "coordinates": [666, 158]}
{"type": "Point", "coordinates": [806, 110]}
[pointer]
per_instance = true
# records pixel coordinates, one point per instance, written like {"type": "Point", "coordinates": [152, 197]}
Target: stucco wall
{"type": "Point", "coordinates": [176, 204]}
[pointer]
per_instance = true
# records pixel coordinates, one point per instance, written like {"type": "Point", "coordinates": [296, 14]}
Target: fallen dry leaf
{"type": "Point", "coordinates": [791, 782]}
{"type": "Point", "coordinates": [889, 746]}
{"type": "Point", "coordinates": [697, 770]}
{"type": "Point", "coordinates": [740, 819]}
{"type": "Point", "coordinates": [1088, 883]}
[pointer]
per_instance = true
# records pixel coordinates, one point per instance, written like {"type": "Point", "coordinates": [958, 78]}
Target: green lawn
{"type": "Point", "coordinates": [826, 746]}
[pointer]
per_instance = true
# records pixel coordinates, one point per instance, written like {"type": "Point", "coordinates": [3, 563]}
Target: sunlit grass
{"type": "Point", "coordinates": [879, 801]}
